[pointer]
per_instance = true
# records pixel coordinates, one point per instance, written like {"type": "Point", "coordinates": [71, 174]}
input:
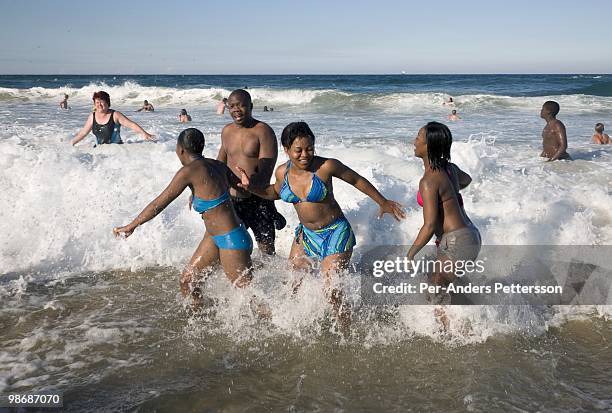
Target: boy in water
{"type": "Point", "coordinates": [554, 138]}
{"type": "Point", "coordinates": [599, 137]}
{"type": "Point", "coordinates": [64, 103]}
{"type": "Point", "coordinates": [221, 106]}
{"type": "Point", "coordinates": [453, 115]}
{"type": "Point", "coordinates": [147, 107]}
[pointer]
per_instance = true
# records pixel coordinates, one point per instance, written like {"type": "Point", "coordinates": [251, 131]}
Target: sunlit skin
{"type": "Point", "coordinates": [443, 216]}
{"type": "Point", "coordinates": [102, 114]}
{"type": "Point", "coordinates": [554, 137]}
{"type": "Point", "coordinates": [599, 137]}
{"type": "Point", "coordinates": [207, 179]}
{"type": "Point", "coordinates": [251, 145]}
{"type": "Point", "coordinates": [316, 215]}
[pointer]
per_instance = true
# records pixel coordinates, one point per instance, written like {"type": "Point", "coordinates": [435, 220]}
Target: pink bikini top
{"type": "Point", "coordinates": [459, 197]}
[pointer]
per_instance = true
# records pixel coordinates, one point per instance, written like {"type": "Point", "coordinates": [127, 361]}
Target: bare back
{"type": "Point", "coordinates": [601, 139]}
{"type": "Point", "coordinates": [208, 180]}
{"type": "Point", "coordinates": [451, 215]}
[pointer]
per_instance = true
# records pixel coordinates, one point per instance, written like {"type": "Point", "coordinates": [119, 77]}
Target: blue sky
{"type": "Point", "coordinates": [270, 37]}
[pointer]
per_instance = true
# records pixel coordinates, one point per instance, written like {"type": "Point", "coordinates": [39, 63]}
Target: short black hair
{"type": "Point", "coordinates": [439, 140]}
{"type": "Point", "coordinates": [192, 140]}
{"type": "Point", "coordinates": [599, 127]}
{"type": "Point", "coordinates": [294, 130]}
{"type": "Point", "coordinates": [243, 94]}
{"type": "Point", "coordinates": [552, 106]}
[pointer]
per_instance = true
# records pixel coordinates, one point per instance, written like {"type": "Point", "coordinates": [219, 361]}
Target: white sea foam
{"type": "Point", "coordinates": [58, 204]}
{"type": "Point", "coordinates": [132, 94]}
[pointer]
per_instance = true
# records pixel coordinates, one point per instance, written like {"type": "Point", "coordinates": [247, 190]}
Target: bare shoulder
{"type": "Point", "coordinates": [263, 126]}
{"type": "Point", "coordinates": [215, 164]}
{"type": "Point", "coordinates": [557, 124]}
{"type": "Point", "coordinates": [280, 171]}
{"type": "Point", "coordinates": [227, 129]}
{"type": "Point", "coordinates": [118, 116]}
{"type": "Point", "coordinates": [264, 131]}
{"type": "Point", "coordinates": [184, 173]}
{"type": "Point", "coordinates": [330, 164]}
{"type": "Point", "coordinates": [426, 183]}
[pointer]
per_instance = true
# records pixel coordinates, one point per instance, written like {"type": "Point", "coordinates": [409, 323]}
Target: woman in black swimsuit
{"type": "Point", "coordinates": [106, 123]}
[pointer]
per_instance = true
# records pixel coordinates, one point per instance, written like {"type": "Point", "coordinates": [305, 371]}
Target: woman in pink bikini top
{"type": "Point", "coordinates": [443, 212]}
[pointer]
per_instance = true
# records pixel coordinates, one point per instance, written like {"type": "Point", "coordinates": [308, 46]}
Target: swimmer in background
{"type": "Point", "coordinates": [453, 116]}
{"type": "Point", "coordinates": [64, 103]}
{"type": "Point", "coordinates": [106, 123]}
{"type": "Point", "coordinates": [450, 101]}
{"type": "Point", "coordinates": [221, 106]}
{"type": "Point", "coordinates": [265, 109]}
{"type": "Point", "coordinates": [147, 107]}
{"type": "Point", "coordinates": [305, 181]}
{"type": "Point", "coordinates": [226, 240]}
{"type": "Point", "coordinates": [554, 137]}
{"type": "Point", "coordinates": [599, 137]}
{"type": "Point", "coordinates": [184, 117]}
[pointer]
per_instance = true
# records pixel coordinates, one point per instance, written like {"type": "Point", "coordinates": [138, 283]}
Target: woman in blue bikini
{"type": "Point", "coordinates": [226, 239]}
{"type": "Point", "coordinates": [306, 182]}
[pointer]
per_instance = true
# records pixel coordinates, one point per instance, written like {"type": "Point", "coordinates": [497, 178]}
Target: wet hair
{"type": "Point", "coordinates": [146, 102]}
{"type": "Point", "coordinates": [552, 107]}
{"type": "Point", "coordinates": [454, 111]}
{"type": "Point", "coordinates": [192, 140]}
{"type": "Point", "coordinates": [224, 100]}
{"type": "Point", "coordinates": [183, 111]}
{"type": "Point", "coordinates": [102, 95]}
{"type": "Point", "coordinates": [295, 130]}
{"type": "Point", "coordinates": [66, 96]}
{"type": "Point", "coordinates": [599, 127]}
{"type": "Point", "coordinates": [243, 94]}
{"type": "Point", "coordinates": [439, 140]}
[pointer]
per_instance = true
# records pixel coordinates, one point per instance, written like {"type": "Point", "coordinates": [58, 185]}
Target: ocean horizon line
{"type": "Point", "coordinates": [308, 74]}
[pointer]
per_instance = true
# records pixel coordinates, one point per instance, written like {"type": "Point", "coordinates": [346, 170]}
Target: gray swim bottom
{"type": "Point", "coordinates": [461, 244]}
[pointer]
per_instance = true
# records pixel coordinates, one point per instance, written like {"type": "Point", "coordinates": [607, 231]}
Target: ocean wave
{"type": "Point", "coordinates": [132, 93]}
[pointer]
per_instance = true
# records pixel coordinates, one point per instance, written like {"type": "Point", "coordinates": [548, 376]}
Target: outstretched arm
{"type": "Point", "coordinates": [270, 192]}
{"type": "Point", "coordinates": [84, 130]}
{"type": "Point", "coordinates": [125, 121]}
{"type": "Point", "coordinates": [339, 170]}
{"type": "Point", "coordinates": [430, 213]}
{"type": "Point", "coordinates": [172, 191]}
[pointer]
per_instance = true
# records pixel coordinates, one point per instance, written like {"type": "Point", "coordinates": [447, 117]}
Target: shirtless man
{"type": "Point", "coordinates": [221, 106]}
{"type": "Point", "coordinates": [147, 107]}
{"type": "Point", "coordinates": [64, 103]}
{"type": "Point", "coordinates": [251, 144]}
{"type": "Point", "coordinates": [599, 137]}
{"type": "Point", "coordinates": [554, 138]}
{"type": "Point", "coordinates": [453, 115]}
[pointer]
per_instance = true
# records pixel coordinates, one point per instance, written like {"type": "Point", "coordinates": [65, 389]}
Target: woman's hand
{"type": "Point", "coordinates": [148, 137]}
{"type": "Point", "coordinates": [245, 182]}
{"type": "Point", "coordinates": [125, 231]}
{"type": "Point", "coordinates": [391, 207]}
